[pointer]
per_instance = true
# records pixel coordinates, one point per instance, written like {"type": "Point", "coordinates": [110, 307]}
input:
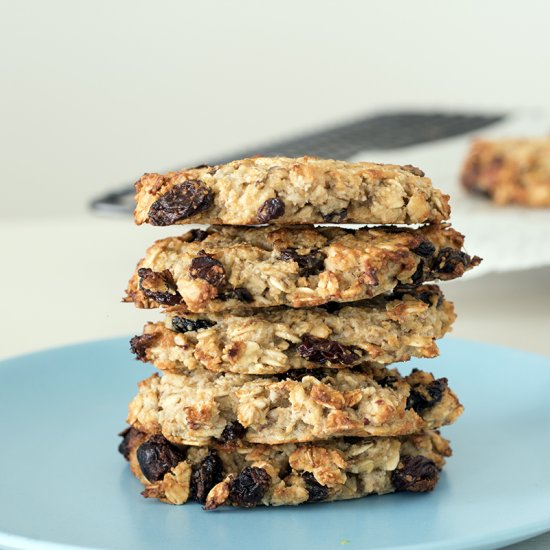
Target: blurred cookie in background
{"type": "Point", "coordinates": [510, 171]}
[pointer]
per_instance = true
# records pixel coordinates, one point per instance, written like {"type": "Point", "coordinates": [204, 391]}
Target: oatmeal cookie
{"type": "Point", "coordinates": [510, 170]}
{"type": "Point", "coordinates": [288, 191]}
{"type": "Point", "coordinates": [196, 408]}
{"type": "Point", "coordinates": [248, 475]}
{"type": "Point", "coordinates": [226, 268]}
{"type": "Point", "coordinates": [272, 341]}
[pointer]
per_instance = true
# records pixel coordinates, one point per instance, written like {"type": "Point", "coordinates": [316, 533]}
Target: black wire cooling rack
{"type": "Point", "coordinates": [382, 131]}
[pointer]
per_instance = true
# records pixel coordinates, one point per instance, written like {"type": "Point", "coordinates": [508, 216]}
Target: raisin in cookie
{"type": "Point", "coordinates": [196, 408]}
{"type": "Point", "coordinates": [248, 475]}
{"type": "Point", "coordinates": [229, 268]}
{"type": "Point", "coordinates": [272, 341]}
{"type": "Point", "coordinates": [287, 191]}
{"type": "Point", "coordinates": [510, 170]}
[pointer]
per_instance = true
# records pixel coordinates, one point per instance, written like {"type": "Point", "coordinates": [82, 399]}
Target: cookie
{"type": "Point", "coordinates": [272, 341]}
{"type": "Point", "coordinates": [201, 406]}
{"type": "Point", "coordinates": [288, 191]}
{"type": "Point", "coordinates": [248, 475]}
{"type": "Point", "coordinates": [510, 171]}
{"type": "Point", "coordinates": [226, 268]}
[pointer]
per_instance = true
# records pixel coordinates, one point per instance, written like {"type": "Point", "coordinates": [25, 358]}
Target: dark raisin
{"type": "Point", "coordinates": [207, 474]}
{"type": "Point", "coordinates": [310, 264]}
{"type": "Point", "coordinates": [249, 487]}
{"type": "Point", "coordinates": [157, 456]}
{"type": "Point", "coordinates": [387, 381]}
{"type": "Point", "coordinates": [391, 229]}
{"type": "Point", "coordinates": [481, 192]}
{"type": "Point", "coordinates": [450, 260]}
{"type": "Point", "coordinates": [422, 397]}
{"type": "Point", "coordinates": [140, 344]}
{"type": "Point", "coordinates": [416, 474]}
{"type": "Point", "coordinates": [240, 293]}
{"type": "Point", "coordinates": [428, 296]}
{"type": "Point", "coordinates": [284, 470]}
{"type": "Point", "coordinates": [207, 268]}
{"type": "Point", "coordinates": [332, 307]}
{"type": "Point", "coordinates": [425, 249]}
{"type": "Point", "coordinates": [413, 170]}
{"type": "Point", "coordinates": [271, 209]}
{"type": "Point", "coordinates": [160, 287]}
{"type": "Point", "coordinates": [338, 216]}
{"type": "Point", "coordinates": [498, 161]}
{"type": "Point", "coordinates": [197, 235]}
{"type": "Point", "coordinates": [353, 440]}
{"type": "Point", "coordinates": [128, 435]}
{"type": "Point", "coordinates": [315, 490]}
{"type": "Point", "coordinates": [370, 276]}
{"type": "Point", "coordinates": [426, 293]}
{"type": "Point", "coordinates": [322, 350]}
{"type": "Point", "coordinates": [182, 201]}
{"type": "Point", "coordinates": [199, 166]}
{"type": "Point", "coordinates": [181, 324]}
{"type": "Point", "coordinates": [418, 276]}
{"type": "Point", "coordinates": [402, 290]}
{"type": "Point", "coordinates": [416, 401]}
{"type": "Point", "coordinates": [470, 175]}
{"type": "Point", "coordinates": [298, 374]}
{"type": "Point", "coordinates": [232, 432]}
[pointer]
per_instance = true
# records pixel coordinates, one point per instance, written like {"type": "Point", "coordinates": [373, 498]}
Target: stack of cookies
{"type": "Point", "coordinates": [276, 340]}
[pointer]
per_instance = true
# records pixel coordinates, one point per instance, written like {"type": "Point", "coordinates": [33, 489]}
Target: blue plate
{"type": "Point", "coordinates": [62, 481]}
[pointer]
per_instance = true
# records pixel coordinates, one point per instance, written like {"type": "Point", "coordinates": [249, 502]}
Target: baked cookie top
{"type": "Point", "coordinates": [384, 330]}
{"type": "Point", "coordinates": [225, 268]}
{"type": "Point", "coordinates": [283, 191]}
{"type": "Point", "coordinates": [202, 406]}
{"type": "Point", "coordinates": [510, 171]}
{"type": "Point", "coordinates": [248, 475]}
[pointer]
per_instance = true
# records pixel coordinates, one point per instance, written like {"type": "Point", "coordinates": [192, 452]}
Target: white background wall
{"type": "Point", "coordinates": [93, 93]}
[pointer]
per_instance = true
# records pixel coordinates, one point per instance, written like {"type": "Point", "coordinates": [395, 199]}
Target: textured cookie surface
{"type": "Point", "coordinates": [510, 170]}
{"type": "Point", "coordinates": [196, 408]}
{"type": "Point", "coordinates": [229, 268]}
{"type": "Point", "coordinates": [290, 191]}
{"type": "Point", "coordinates": [271, 341]}
{"type": "Point", "coordinates": [248, 475]}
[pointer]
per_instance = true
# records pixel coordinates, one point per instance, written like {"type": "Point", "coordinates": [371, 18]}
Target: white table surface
{"type": "Point", "coordinates": [96, 93]}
